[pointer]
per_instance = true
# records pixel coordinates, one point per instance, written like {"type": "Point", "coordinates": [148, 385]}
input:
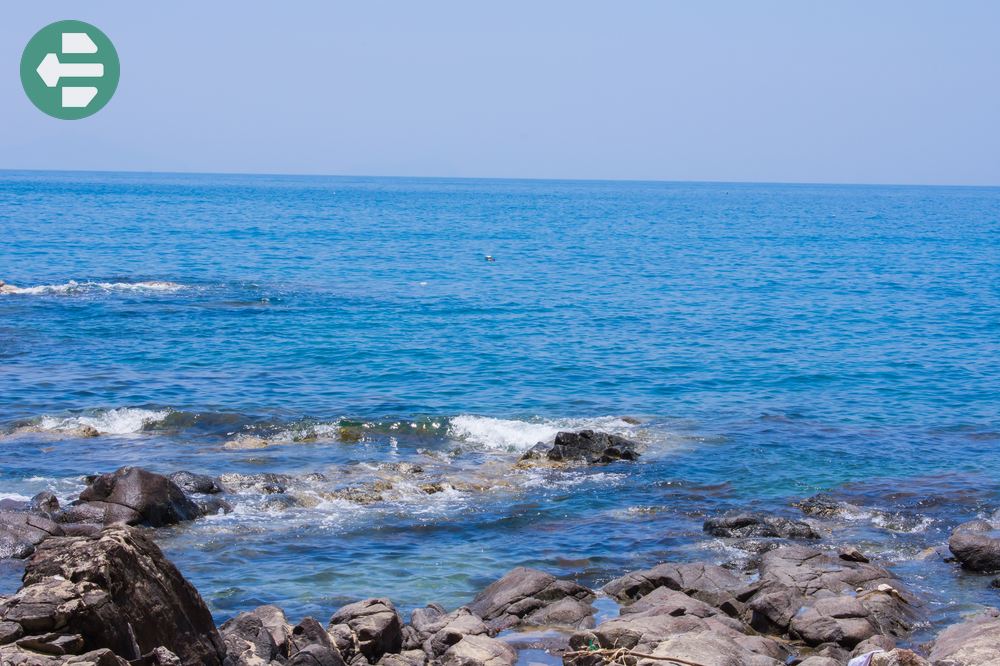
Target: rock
{"type": "Point", "coordinates": [248, 642]}
{"type": "Point", "coordinates": [21, 532]}
{"type": "Point", "coordinates": [744, 524]}
{"type": "Point", "coordinates": [821, 506]}
{"type": "Point", "coordinates": [898, 657]}
{"type": "Point", "coordinates": [822, 600]}
{"type": "Point", "coordinates": [451, 628]}
{"type": "Point", "coordinates": [52, 643]}
{"type": "Point", "coordinates": [479, 651]}
{"type": "Point", "coordinates": [258, 483]}
{"type": "Point", "coordinates": [877, 642]}
{"type": "Point", "coordinates": [405, 658]}
{"type": "Point", "coordinates": [195, 483]}
{"type": "Point", "coordinates": [155, 498]}
{"type": "Point", "coordinates": [852, 554]}
{"type": "Point", "coordinates": [528, 597]}
{"type": "Point", "coordinates": [705, 582]}
{"type": "Point", "coordinates": [585, 446]}
{"type": "Point", "coordinates": [969, 643]}
{"type": "Point", "coordinates": [116, 591]}
{"type": "Point", "coordinates": [976, 545]}
{"type": "Point", "coordinates": [98, 513]}
{"type": "Point", "coordinates": [316, 655]}
{"type": "Point", "coordinates": [375, 623]}
{"type": "Point", "coordinates": [819, 661]}
{"type": "Point", "coordinates": [45, 503]}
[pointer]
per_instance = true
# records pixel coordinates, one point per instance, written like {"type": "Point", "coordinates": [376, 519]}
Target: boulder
{"type": "Point", "coordinates": [114, 591]}
{"type": "Point", "coordinates": [21, 532]}
{"type": "Point", "coordinates": [970, 643]}
{"type": "Point", "coordinates": [375, 624]}
{"type": "Point", "coordinates": [746, 524]}
{"type": "Point", "coordinates": [705, 582]}
{"type": "Point", "coordinates": [585, 446]}
{"type": "Point", "coordinates": [200, 484]}
{"type": "Point", "coordinates": [529, 597]}
{"type": "Point", "coordinates": [154, 498]}
{"type": "Point", "coordinates": [479, 651]}
{"type": "Point", "coordinates": [248, 642]}
{"type": "Point", "coordinates": [976, 545]}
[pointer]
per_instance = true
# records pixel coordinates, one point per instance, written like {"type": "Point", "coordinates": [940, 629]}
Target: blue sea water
{"type": "Point", "coordinates": [765, 342]}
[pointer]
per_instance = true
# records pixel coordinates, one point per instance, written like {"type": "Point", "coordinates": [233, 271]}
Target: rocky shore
{"type": "Point", "coordinates": [97, 590]}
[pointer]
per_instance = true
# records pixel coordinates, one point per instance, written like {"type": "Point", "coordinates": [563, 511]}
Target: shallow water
{"type": "Point", "coordinates": [765, 342]}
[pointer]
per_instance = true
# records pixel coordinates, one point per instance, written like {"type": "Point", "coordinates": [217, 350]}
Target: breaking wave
{"type": "Point", "coordinates": [121, 421]}
{"type": "Point", "coordinates": [514, 435]}
{"type": "Point", "coordinates": [74, 287]}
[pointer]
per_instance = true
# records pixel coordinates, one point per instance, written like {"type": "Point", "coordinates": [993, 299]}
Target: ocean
{"type": "Point", "coordinates": [763, 342]}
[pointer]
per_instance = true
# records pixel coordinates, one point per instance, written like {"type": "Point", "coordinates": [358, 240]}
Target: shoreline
{"type": "Point", "coordinates": [797, 594]}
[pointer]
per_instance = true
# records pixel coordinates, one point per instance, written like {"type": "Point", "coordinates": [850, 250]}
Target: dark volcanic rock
{"type": "Point", "coordinates": [115, 591]}
{"type": "Point", "coordinates": [154, 498]}
{"type": "Point", "coordinates": [975, 641]}
{"type": "Point", "coordinates": [745, 524]}
{"type": "Point", "coordinates": [976, 545]}
{"type": "Point", "coordinates": [585, 446]}
{"type": "Point", "coordinates": [375, 624]}
{"type": "Point", "coordinates": [528, 597]}
{"type": "Point", "coordinates": [190, 482]}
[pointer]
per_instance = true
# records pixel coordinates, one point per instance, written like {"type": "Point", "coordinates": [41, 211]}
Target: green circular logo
{"type": "Point", "coordinates": [70, 70]}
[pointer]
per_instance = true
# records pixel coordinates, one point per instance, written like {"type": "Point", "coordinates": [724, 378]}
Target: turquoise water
{"type": "Point", "coordinates": [765, 342]}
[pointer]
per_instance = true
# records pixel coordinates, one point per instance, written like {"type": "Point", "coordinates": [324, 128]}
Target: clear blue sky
{"type": "Point", "coordinates": [895, 91]}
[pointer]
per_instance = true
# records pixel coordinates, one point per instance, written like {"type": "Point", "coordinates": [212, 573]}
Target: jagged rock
{"type": "Point", "coordinates": [819, 599]}
{"type": "Point", "coordinates": [21, 532]}
{"type": "Point", "coordinates": [976, 545]}
{"type": "Point", "coordinates": [404, 658]}
{"type": "Point", "coordinates": [190, 482]}
{"type": "Point", "coordinates": [969, 643]}
{"type": "Point", "coordinates": [745, 524]}
{"type": "Point", "coordinates": [248, 641]}
{"type": "Point", "coordinates": [528, 597]}
{"type": "Point", "coordinates": [450, 629]}
{"type": "Point", "coordinates": [117, 591]}
{"type": "Point", "coordinates": [705, 582]}
{"type": "Point", "coordinates": [479, 651]}
{"type": "Point", "coordinates": [316, 655]}
{"type": "Point", "coordinates": [375, 623]}
{"type": "Point", "coordinates": [584, 446]}
{"type": "Point", "coordinates": [156, 499]}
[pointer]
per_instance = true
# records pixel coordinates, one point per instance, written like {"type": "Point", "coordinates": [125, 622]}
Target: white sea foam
{"type": "Point", "coordinates": [74, 287]}
{"type": "Point", "coordinates": [14, 496]}
{"type": "Point", "coordinates": [514, 435]}
{"type": "Point", "coordinates": [121, 421]}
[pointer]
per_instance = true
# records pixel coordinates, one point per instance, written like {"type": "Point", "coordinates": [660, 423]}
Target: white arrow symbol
{"type": "Point", "coordinates": [51, 70]}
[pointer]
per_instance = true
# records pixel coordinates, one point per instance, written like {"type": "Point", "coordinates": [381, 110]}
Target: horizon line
{"type": "Point", "coordinates": [265, 174]}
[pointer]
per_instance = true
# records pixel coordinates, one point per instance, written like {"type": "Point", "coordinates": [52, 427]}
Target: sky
{"type": "Point", "coordinates": [853, 91]}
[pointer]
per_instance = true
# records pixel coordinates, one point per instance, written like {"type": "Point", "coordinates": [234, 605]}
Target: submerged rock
{"type": "Point", "coordinates": [200, 484]}
{"type": "Point", "coordinates": [114, 591]}
{"type": "Point", "coordinates": [976, 546]}
{"type": "Point", "coordinates": [528, 597]}
{"type": "Point", "coordinates": [585, 446]}
{"type": "Point", "coordinates": [746, 524]}
{"type": "Point", "coordinates": [264, 483]}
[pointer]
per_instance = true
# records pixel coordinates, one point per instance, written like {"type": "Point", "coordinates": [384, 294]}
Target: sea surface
{"type": "Point", "coordinates": [763, 342]}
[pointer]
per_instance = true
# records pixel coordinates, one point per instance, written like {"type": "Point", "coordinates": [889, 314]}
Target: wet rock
{"type": "Point", "coordinates": [44, 503]}
{"type": "Point", "coordinates": [190, 482]}
{"type": "Point", "coordinates": [976, 545]}
{"type": "Point", "coordinates": [821, 506]}
{"type": "Point", "coordinates": [265, 483]}
{"type": "Point", "coordinates": [21, 532]}
{"type": "Point", "coordinates": [246, 442]}
{"type": "Point", "coordinates": [585, 446]}
{"type": "Point", "coordinates": [368, 493]}
{"type": "Point", "coordinates": [852, 554]}
{"type": "Point", "coordinates": [115, 591]}
{"type": "Point", "coordinates": [156, 499]}
{"type": "Point", "coordinates": [99, 514]}
{"type": "Point", "coordinates": [744, 524]}
{"type": "Point", "coordinates": [375, 624]}
{"type": "Point", "coordinates": [528, 597]}
{"type": "Point", "coordinates": [212, 506]}
{"type": "Point", "coordinates": [479, 651]}
{"type": "Point", "coordinates": [705, 582]}
{"type": "Point", "coordinates": [969, 643]}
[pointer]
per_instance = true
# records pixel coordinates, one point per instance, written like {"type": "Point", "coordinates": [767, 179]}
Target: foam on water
{"type": "Point", "coordinates": [120, 421]}
{"type": "Point", "coordinates": [74, 287]}
{"type": "Point", "coordinates": [515, 435]}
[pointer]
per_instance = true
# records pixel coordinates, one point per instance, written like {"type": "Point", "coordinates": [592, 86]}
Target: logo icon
{"type": "Point", "coordinates": [70, 70]}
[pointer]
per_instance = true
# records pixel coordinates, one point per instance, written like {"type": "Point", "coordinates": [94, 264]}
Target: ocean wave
{"type": "Point", "coordinates": [515, 435]}
{"type": "Point", "coordinates": [74, 287]}
{"type": "Point", "coordinates": [120, 421]}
